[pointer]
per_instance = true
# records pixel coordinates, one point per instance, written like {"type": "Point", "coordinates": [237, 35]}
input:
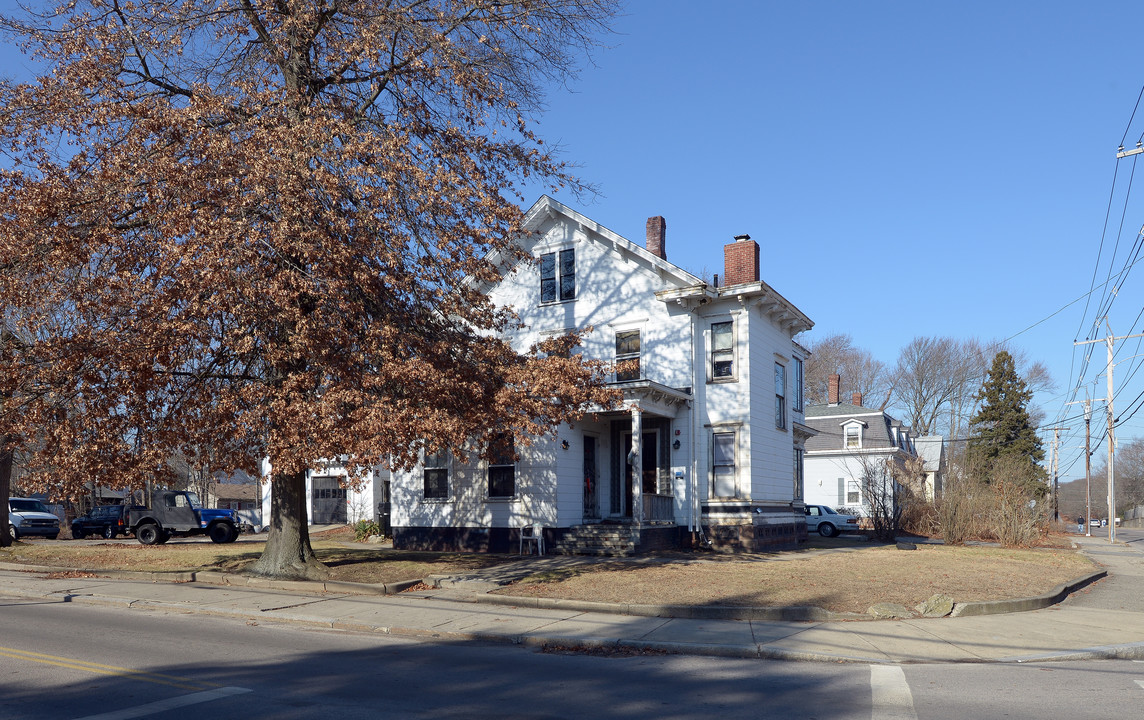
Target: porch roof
{"type": "Point", "coordinates": [651, 397]}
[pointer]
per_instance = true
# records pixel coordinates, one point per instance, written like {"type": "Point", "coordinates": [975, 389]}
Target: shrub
{"type": "Point", "coordinates": [365, 528]}
{"type": "Point", "coordinates": [1016, 519]}
{"type": "Point", "coordinates": [921, 518]}
{"type": "Point", "coordinates": [959, 510]}
{"type": "Point", "coordinates": [995, 501]}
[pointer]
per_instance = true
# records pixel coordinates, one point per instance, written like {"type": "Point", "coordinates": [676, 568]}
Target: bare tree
{"type": "Point", "coordinates": [1130, 474]}
{"type": "Point", "coordinates": [859, 371]}
{"type": "Point", "coordinates": [883, 494]}
{"type": "Point", "coordinates": [929, 375]}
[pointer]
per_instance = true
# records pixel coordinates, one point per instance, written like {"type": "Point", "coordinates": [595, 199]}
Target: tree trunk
{"type": "Point", "coordinates": [288, 553]}
{"type": "Point", "coordinates": [5, 491]}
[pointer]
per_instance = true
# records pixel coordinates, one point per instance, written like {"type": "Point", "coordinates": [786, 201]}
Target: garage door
{"type": "Point", "coordinates": [327, 502]}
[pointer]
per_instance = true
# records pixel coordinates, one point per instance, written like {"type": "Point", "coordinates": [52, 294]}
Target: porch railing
{"type": "Point", "coordinates": [658, 507]}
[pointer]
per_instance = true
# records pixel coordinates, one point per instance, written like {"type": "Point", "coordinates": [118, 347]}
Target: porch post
{"type": "Point", "coordinates": [637, 465]}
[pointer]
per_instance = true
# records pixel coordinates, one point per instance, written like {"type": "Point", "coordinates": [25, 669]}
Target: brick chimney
{"type": "Point", "coordinates": [832, 392]}
{"type": "Point", "coordinates": [657, 236]}
{"type": "Point", "coordinates": [856, 399]}
{"type": "Point", "coordinates": [741, 261]}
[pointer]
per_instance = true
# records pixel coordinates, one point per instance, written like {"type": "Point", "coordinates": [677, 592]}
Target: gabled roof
{"type": "Point", "coordinates": [829, 421]}
{"type": "Point", "coordinates": [228, 491]}
{"type": "Point", "coordinates": [682, 287]}
{"type": "Point", "coordinates": [546, 209]}
{"type": "Point", "coordinates": [931, 449]}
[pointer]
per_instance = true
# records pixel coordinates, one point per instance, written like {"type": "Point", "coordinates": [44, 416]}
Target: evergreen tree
{"type": "Point", "coordinates": [1002, 427]}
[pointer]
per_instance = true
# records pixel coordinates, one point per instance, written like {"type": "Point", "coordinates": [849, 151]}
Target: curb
{"type": "Point", "coordinates": [999, 607]}
{"type": "Point", "coordinates": [1129, 651]}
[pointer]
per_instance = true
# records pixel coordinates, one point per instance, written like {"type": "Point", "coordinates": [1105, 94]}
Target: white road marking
{"type": "Point", "coordinates": [169, 704]}
{"type": "Point", "coordinates": [1140, 683]}
{"type": "Point", "coordinates": [890, 696]}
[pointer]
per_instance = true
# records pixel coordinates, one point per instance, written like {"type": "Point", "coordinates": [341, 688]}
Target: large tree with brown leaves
{"type": "Point", "coordinates": [261, 226]}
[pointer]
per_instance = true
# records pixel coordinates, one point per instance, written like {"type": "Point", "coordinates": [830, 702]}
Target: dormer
{"type": "Point", "coordinates": [852, 431]}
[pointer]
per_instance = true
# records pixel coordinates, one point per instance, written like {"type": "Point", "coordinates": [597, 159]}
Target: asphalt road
{"type": "Point", "coordinates": [61, 660]}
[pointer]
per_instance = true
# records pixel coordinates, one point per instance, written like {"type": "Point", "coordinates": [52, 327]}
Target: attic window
{"type": "Point", "coordinates": [853, 436]}
{"type": "Point", "coordinates": [558, 276]}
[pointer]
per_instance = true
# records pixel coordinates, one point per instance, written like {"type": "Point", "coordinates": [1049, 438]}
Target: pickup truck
{"type": "Point", "coordinates": [178, 513]}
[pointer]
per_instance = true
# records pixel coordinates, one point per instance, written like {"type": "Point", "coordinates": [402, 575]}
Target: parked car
{"type": "Point", "coordinates": [29, 516]}
{"type": "Point", "coordinates": [828, 523]}
{"type": "Point", "coordinates": [105, 520]}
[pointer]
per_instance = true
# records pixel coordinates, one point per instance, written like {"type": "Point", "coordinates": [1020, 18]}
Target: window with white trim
{"type": "Point", "coordinates": [799, 385]}
{"type": "Point", "coordinates": [723, 465]}
{"type": "Point", "coordinates": [435, 475]}
{"type": "Point", "coordinates": [723, 351]}
{"type": "Point", "coordinates": [628, 351]}
{"type": "Point", "coordinates": [780, 397]}
{"type": "Point", "coordinates": [853, 496]}
{"type": "Point", "coordinates": [853, 436]}
{"type": "Point", "coordinates": [502, 466]}
{"type": "Point", "coordinates": [798, 473]}
{"type": "Point", "coordinates": [558, 276]}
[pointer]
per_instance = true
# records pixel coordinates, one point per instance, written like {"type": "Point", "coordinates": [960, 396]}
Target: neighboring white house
{"type": "Point", "coordinates": [707, 444]}
{"type": "Point", "coordinates": [329, 501]}
{"type": "Point", "coordinates": [931, 449]}
{"type": "Point", "coordinates": [849, 440]}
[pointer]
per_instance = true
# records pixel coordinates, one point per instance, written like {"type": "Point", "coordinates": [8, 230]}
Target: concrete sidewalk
{"type": "Point", "coordinates": [1103, 620]}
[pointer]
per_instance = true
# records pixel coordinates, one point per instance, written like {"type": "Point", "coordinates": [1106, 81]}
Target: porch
{"type": "Point", "coordinates": [616, 539]}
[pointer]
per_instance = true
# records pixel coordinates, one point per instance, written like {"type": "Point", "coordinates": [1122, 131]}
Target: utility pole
{"type": "Point", "coordinates": [1087, 468]}
{"type": "Point", "coordinates": [1054, 464]}
{"type": "Point", "coordinates": [1109, 340]}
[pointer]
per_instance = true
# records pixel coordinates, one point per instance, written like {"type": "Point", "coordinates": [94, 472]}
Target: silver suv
{"type": "Point", "coordinates": [29, 516]}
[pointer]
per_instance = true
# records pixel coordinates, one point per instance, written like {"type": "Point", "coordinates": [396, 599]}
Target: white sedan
{"type": "Point", "coordinates": [828, 523]}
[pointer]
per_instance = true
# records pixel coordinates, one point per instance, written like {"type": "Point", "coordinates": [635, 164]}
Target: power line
{"type": "Point", "coordinates": [1132, 116]}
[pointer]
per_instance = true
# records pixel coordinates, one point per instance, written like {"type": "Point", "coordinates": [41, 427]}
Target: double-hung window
{"type": "Point", "coordinates": [435, 475]}
{"type": "Point", "coordinates": [780, 397]}
{"type": "Point", "coordinates": [799, 386]}
{"type": "Point", "coordinates": [799, 469]}
{"type": "Point", "coordinates": [723, 464]}
{"type": "Point", "coordinates": [558, 276]}
{"type": "Point", "coordinates": [722, 350]}
{"type": "Point", "coordinates": [502, 466]}
{"type": "Point", "coordinates": [853, 436]}
{"type": "Point", "coordinates": [628, 352]}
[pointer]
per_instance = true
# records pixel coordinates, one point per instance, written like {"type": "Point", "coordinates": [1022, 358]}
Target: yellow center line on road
{"type": "Point", "coordinates": [99, 669]}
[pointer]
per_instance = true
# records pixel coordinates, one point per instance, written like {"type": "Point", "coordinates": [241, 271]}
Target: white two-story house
{"type": "Point", "coordinates": [707, 445]}
{"type": "Point", "coordinates": [853, 442]}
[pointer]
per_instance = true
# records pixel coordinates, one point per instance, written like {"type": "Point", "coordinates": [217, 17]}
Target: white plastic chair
{"type": "Point", "coordinates": [534, 534]}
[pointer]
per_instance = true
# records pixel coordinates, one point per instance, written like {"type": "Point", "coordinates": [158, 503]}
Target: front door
{"type": "Point", "coordinates": [591, 479]}
{"type": "Point", "coordinates": [650, 462]}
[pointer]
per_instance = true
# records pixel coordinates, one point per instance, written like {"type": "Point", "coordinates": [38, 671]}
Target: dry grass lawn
{"type": "Point", "coordinates": [352, 563]}
{"type": "Point", "coordinates": [840, 574]}
{"type": "Point", "coordinates": [846, 581]}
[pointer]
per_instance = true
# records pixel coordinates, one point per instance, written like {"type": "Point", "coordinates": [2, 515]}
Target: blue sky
{"type": "Point", "coordinates": [909, 168]}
